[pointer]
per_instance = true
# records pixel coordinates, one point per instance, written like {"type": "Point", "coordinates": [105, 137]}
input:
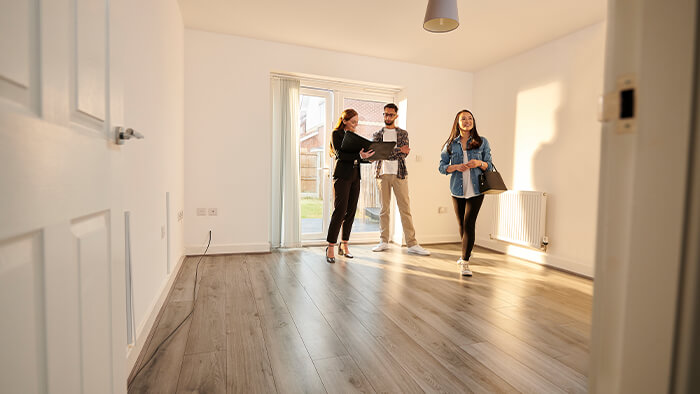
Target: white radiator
{"type": "Point", "coordinates": [519, 218]}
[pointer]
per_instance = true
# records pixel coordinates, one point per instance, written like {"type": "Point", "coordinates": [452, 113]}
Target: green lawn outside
{"type": "Point", "coordinates": [311, 208]}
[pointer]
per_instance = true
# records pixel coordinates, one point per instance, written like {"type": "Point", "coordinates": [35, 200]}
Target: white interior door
{"type": "Point", "coordinates": [61, 224]}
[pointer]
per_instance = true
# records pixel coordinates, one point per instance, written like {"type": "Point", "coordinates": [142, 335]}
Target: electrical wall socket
{"type": "Point", "coordinates": [213, 211]}
{"type": "Point", "coordinates": [201, 212]}
{"type": "Point", "coordinates": [442, 209]}
{"type": "Point", "coordinates": [162, 232]}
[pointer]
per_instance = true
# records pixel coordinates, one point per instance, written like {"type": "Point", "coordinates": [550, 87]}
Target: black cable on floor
{"type": "Point", "coordinates": [194, 303]}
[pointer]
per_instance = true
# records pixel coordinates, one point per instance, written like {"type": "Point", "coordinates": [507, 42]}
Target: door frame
{"type": "Point", "coordinates": [687, 343]}
{"type": "Point", "coordinates": [640, 251]}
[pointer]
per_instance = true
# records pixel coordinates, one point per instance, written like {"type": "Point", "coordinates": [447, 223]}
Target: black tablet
{"type": "Point", "coordinates": [353, 142]}
{"type": "Point", "coordinates": [382, 150]}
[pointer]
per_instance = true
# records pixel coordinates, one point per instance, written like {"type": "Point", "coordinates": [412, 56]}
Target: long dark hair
{"type": "Point", "coordinates": [345, 116]}
{"type": "Point", "coordinates": [476, 139]}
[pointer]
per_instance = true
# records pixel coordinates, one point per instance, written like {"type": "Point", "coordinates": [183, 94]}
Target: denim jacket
{"type": "Point", "coordinates": [482, 153]}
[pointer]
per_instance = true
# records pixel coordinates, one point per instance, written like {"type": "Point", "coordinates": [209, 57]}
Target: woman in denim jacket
{"type": "Point", "coordinates": [465, 155]}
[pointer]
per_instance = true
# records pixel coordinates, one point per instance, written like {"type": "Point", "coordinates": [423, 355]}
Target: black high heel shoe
{"type": "Point", "coordinates": [342, 252]}
{"type": "Point", "coordinates": [329, 259]}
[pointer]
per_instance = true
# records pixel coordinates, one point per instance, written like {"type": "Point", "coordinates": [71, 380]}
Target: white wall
{"type": "Point", "coordinates": [154, 90]}
{"type": "Point", "coordinates": [539, 112]}
{"type": "Point", "coordinates": [228, 132]}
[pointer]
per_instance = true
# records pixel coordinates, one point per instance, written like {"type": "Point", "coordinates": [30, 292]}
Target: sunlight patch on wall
{"type": "Point", "coordinates": [535, 125]}
{"type": "Point", "coordinates": [401, 121]}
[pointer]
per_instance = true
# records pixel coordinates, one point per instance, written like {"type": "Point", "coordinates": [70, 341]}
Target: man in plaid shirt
{"type": "Point", "coordinates": [391, 174]}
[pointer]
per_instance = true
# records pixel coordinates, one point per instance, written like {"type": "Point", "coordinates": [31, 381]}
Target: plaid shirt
{"type": "Point", "coordinates": [401, 140]}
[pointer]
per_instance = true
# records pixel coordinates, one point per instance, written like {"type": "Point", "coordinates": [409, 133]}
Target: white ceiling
{"type": "Point", "coordinates": [489, 31]}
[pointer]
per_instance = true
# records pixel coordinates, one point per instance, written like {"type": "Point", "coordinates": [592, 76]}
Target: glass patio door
{"type": "Point", "coordinates": [370, 108]}
{"type": "Point", "coordinates": [319, 109]}
{"type": "Point", "coordinates": [315, 125]}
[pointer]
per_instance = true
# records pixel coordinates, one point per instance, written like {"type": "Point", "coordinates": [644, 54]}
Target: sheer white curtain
{"type": "Point", "coordinates": [285, 211]}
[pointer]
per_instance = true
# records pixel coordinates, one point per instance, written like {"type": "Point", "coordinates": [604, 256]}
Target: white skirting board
{"type": "Point", "coordinates": [535, 256]}
{"type": "Point", "coordinates": [228, 249]}
{"type": "Point", "coordinates": [538, 257]}
{"type": "Point", "coordinates": [132, 352]}
{"type": "Point", "coordinates": [437, 239]}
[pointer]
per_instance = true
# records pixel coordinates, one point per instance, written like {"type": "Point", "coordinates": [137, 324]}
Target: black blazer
{"type": "Point", "coordinates": [344, 161]}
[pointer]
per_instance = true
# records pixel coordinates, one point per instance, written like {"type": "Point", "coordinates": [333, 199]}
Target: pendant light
{"type": "Point", "coordinates": [441, 16]}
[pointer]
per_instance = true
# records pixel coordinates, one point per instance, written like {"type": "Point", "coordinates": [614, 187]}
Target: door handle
{"type": "Point", "coordinates": [122, 134]}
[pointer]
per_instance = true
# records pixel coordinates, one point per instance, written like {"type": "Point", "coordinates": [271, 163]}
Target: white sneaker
{"type": "Point", "coordinates": [381, 247]}
{"type": "Point", "coordinates": [464, 268]}
{"type": "Point", "coordinates": [417, 249]}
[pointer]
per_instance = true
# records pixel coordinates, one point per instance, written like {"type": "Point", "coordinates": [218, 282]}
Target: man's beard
{"type": "Point", "coordinates": [388, 123]}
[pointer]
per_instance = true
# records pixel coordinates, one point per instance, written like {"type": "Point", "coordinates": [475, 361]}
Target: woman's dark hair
{"type": "Point", "coordinates": [476, 139]}
{"type": "Point", "coordinates": [345, 116]}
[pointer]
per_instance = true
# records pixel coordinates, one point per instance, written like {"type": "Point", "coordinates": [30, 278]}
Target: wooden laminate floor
{"type": "Point", "coordinates": [289, 322]}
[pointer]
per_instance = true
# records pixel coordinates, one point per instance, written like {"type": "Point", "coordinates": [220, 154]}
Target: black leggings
{"type": "Point", "coordinates": [347, 192]}
{"type": "Point", "coordinates": [466, 210]}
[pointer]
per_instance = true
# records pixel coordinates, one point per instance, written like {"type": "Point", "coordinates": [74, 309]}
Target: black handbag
{"type": "Point", "coordinates": [490, 182]}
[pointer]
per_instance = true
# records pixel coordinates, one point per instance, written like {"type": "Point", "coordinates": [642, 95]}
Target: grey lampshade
{"type": "Point", "coordinates": [441, 16]}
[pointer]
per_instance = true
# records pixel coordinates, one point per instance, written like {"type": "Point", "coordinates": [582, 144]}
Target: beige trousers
{"type": "Point", "coordinates": [385, 183]}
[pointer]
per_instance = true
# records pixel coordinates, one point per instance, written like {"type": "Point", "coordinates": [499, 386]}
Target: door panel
{"type": "Point", "coordinates": [14, 42]}
{"type": "Point", "coordinates": [91, 237]}
{"type": "Point", "coordinates": [22, 306]}
{"type": "Point", "coordinates": [90, 58]}
{"type": "Point", "coordinates": [315, 126]}
{"type": "Point", "coordinates": [18, 25]}
{"type": "Point", "coordinates": [63, 319]}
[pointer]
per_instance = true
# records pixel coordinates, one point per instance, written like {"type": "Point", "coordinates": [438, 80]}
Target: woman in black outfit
{"type": "Point", "coordinates": [346, 185]}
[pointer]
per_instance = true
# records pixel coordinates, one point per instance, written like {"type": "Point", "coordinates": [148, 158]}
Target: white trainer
{"type": "Point", "coordinates": [417, 249]}
{"type": "Point", "coordinates": [464, 268]}
{"type": "Point", "coordinates": [382, 246]}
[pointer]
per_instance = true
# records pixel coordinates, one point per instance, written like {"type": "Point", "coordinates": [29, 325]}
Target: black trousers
{"type": "Point", "coordinates": [466, 210]}
{"type": "Point", "coordinates": [347, 192]}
